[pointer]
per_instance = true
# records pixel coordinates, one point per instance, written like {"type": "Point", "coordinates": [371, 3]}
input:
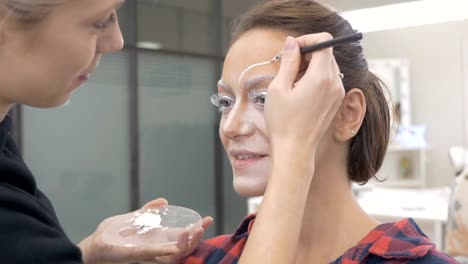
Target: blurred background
{"type": "Point", "coordinates": [143, 127]}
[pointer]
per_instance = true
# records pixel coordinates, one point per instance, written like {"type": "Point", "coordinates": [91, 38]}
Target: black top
{"type": "Point", "coordinates": [29, 229]}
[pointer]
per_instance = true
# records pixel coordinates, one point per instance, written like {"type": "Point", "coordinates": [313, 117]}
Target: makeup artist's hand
{"type": "Point", "coordinates": [95, 250]}
{"type": "Point", "coordinates": [301, 105]}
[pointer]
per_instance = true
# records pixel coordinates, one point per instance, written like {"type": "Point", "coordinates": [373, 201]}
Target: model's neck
{"type": "Point", "coordinates": [333, 221]}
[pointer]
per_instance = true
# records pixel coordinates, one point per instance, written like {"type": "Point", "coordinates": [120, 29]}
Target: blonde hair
{"type": "Point", "coordinates": [26, 11]}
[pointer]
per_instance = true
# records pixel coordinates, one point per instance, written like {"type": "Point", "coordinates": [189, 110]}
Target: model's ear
{"type": "Point", "coordinates": [349, 117]}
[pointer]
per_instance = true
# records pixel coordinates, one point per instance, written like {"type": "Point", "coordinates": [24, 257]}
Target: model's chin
{"type": "Point", "coordinates": [63, 100]}
{"type": "Point", "coordinates": [249, 187]}
{"type": "Point", "coordinates": [51, 102]}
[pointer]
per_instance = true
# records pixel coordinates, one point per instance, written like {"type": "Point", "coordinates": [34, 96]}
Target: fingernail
{"type": "Point", "coordinates": [290, 44]}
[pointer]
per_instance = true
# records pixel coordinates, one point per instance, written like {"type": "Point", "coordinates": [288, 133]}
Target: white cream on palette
{"type": "Point", "coordinates": [147, 222]}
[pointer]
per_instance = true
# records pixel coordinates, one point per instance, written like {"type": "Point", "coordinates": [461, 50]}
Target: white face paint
{"type": "Point", "coordinates": [243, 131]}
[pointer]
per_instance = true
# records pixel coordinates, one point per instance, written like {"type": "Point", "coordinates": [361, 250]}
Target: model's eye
{"type": "Point", "coordinates": [258, 97]}
{"type": "Point", "coordinates": [222, 102]}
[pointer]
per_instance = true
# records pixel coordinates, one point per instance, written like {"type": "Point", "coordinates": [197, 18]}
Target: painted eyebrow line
{"type": "Point", "coordinates": [224, 85]}
{"type": "Point", "coordinates": [250, 83]}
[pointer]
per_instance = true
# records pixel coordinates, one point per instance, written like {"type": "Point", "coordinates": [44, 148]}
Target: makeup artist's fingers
{"type": "Point", "coordinates": [335, 68]}
{"type": "Point", "coordinates": [336, 91]}
{"type": "Point", "coordinates": [289, 68]}
{"type": "Point", "coordinates": [198, 236]}
{"type": "Point", "coordinates": [195, 242]}
{"type": "Point", "coordinates": [312, 39]}
{"type": "Point", "coordinates": [313, 100]}
{"type": "Point", "coordinates": [206, 222]}
{"type": "Point", "coordinates": [183, 243]}
{"type": "Point", "coordinates": [320, 62]}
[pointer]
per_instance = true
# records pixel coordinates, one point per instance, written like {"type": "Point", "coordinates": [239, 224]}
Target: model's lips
{"type": "Point", "coordinates": [87, 73]}
{"type": "Point", "coordinates": [242, 158]}
{"type": "Point", "coordinates": [84, 77]}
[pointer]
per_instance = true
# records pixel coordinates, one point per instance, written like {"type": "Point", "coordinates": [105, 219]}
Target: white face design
{"type": "Point", "coordinates": [243, 131]}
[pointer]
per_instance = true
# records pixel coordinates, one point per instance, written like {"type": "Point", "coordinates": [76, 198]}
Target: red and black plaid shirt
{"type": "Point", "coordinates": [400, 243]}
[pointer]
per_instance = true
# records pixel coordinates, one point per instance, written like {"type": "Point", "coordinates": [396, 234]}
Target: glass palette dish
{"type": "Point", "coordinates": [152, 227]}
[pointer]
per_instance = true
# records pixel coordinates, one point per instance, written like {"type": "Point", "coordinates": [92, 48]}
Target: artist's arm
{"type": "Point", "coordinates": [297, 113]}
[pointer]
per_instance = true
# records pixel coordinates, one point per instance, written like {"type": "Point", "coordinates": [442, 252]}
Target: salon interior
{"type": "Point", "coordinates": [143, 127]}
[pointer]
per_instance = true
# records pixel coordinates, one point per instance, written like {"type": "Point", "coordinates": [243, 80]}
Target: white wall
{"type": "Point", "coordinates": [437, 63]}
{"type": "Point", "coordinates": [465, 79]}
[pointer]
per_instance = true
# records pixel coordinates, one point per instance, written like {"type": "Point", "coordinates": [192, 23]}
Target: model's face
{"type": "Point", "coordinates": [50, 60]}
{"type": "Point", "coordinates": [243, 131]}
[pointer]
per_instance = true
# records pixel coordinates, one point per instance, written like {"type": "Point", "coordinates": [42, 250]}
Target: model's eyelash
{"type": "Point", "coordinates": [258, 97]}
{"type": "Point", "coordinates": [109, 22]}
{"type": "Point", "coordinates": [222, 102]}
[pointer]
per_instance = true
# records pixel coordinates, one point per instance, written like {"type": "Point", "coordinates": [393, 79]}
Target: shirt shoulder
{"type": "Point", "coordinates": [225, 249]}
{"type": "Point", "coordinates": [221, 249]}
{"type": "Point", "coordinates": [402, 242]}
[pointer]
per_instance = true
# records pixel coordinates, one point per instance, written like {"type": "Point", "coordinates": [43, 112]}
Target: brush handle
{"type": "Point", "coordinates": [331, 43]}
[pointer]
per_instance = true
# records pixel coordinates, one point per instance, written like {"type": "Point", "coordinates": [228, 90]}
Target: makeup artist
{"type": "Point", "coordinates": [48, 49]}
{"type": "Point", "coordinates": [298, 132]}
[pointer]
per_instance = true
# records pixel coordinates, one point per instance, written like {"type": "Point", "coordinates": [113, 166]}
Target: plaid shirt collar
{"type": "Point", "coordinates": [400, 240]}
{"type": "Point", "coordinates": [244, 228]}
